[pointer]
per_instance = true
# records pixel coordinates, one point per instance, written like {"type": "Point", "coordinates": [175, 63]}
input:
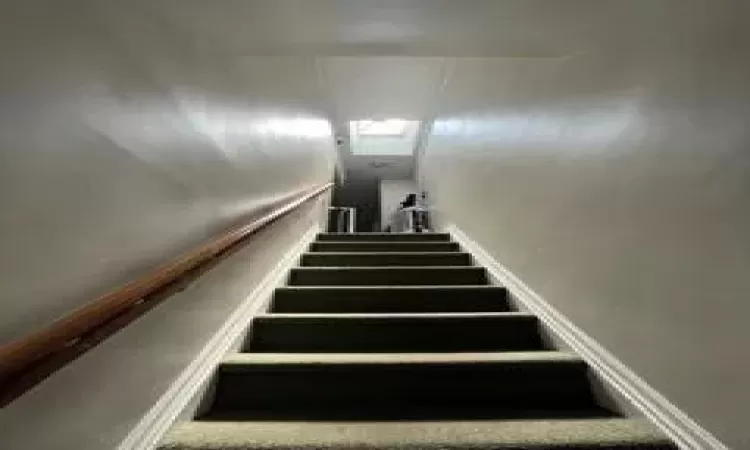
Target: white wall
{"type": "Point", "coordinates": [392, 193]}
{"type": "Point", "coordinates": [124, 142]}
{"type": "Point", "coordinates": [617, 185]}
{"type": "Point", "coordinates": [95, 401]}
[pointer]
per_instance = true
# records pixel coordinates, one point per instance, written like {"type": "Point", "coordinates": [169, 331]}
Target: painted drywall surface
{"type": "Point", "coordinates": [392, 193]}
{"type": "Point", "coordinates": [113, 386]}
{"type": "Point", "coordinates": [124, 143]}
{"type": "Point", "coordinates": [618, 187]}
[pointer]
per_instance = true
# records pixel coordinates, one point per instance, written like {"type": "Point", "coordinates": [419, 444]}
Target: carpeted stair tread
{"type": "Point", "coordinates": [521, 380]}
{"type": "Point", "coordinates": [372, 259]}
{"type": "Point", "coordinates": [397, 316]}
{"type": "Point", "coordinates": [395, 332]}
{"type": "Point", "coordinates": [573, 434]}
{"type": "Point", "coordinates": [387, 276]}
{"type": "Point", "coordinates": [385, 246]}
{"type": "Point", "coordinates": [239, 361]}
{"type": "Point", "coordinates": [387, 237]}
{"type": "Point", "coordinates": [388, 299]}
{"type": "Point", "coordinates": [397, 341]}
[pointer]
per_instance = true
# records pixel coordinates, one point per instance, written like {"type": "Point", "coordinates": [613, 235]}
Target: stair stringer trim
{"type": "Point", "coordinates": [677, 425]}
{"type": "Point", "coordinates": [147, 433]}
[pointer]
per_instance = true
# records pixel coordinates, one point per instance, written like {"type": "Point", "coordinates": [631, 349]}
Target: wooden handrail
{"type": "Point", "coordinates": [20, 355]}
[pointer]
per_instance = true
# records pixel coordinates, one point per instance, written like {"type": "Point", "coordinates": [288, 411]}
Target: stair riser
{"type": "Point", "coordinates": [394, 335]}
{"type": "Point", "coordinates": [385, 259]}
{"type": "Point", "coordinates": [388, 277]}
{"type": "Point", "coordinates": [520, 386]}
{"type": "Point", "coordinates": [384, 247]}
{"type": "Point", "coordinates": [389, 300]}
{"type": "Point", "coordinates": [384, 237]}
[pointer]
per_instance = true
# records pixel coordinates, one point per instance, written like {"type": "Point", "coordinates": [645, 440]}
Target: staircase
{"type": "Point", "coordinates": [396, 341]}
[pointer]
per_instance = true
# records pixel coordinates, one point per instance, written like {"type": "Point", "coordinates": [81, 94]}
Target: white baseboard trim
{"type": "Point", "coordinates": [684, 431]}
{"type": "Point", "coordinates": [150, 429]}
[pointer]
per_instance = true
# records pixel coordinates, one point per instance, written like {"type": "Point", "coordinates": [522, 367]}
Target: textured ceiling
{"type": "Point", "coordinates": [360, 87]}
{"type": "Point", "coordinates": [354, 59]}
{"type": "Point", "coordinates": [462, 28]}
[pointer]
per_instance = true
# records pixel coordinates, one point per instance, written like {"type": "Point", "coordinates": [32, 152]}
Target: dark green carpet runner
{"type": "Point", "coordinates": [396, 341]}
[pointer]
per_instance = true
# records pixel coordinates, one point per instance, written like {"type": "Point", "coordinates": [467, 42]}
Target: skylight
{"type": "Point", "coordinates": [383, 137]}
{"type": "Point", "coordinates": [388, 127]}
